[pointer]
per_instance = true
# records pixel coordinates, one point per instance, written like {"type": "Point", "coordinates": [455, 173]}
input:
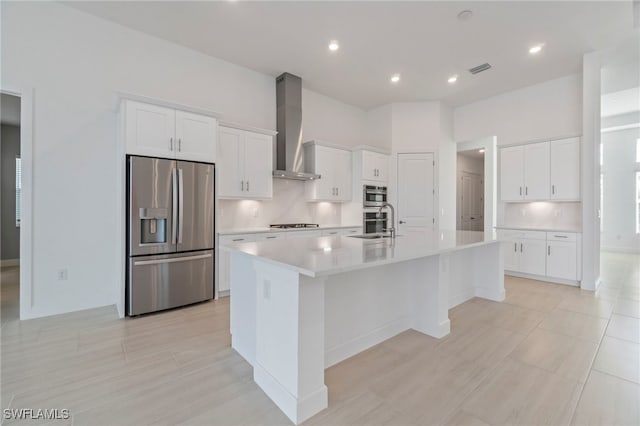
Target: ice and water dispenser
{"type": "Point", "coordinates": [153, 226]}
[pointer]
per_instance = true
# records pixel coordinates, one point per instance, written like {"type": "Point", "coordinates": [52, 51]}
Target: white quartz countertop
{"type": "Point", "coordinates": [535, 228]}
{"type": "Point", "coordinates": [318, 256]}
{"type": "Point", "coordinates": [263, 229]}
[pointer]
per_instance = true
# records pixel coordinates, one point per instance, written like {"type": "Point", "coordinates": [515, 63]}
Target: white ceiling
{"type": "Point", "coordinates": [472, 153]}
{"type": "Point", "coordinates": [423, 41]}
{"type": "Point", "coordinates": [9, 109]}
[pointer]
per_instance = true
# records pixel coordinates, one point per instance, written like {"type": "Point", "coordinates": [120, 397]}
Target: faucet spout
{"type": "Point", "coordinates": [392, 228]}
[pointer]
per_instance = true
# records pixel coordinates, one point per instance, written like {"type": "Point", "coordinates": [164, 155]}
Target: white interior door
{"type": "Point", "coordinates": [415, 192]}
{"type": "Point", "coordinates": [471, 199]}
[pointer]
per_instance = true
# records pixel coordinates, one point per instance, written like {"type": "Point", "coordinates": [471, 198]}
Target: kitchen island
{"type": "Point", "coordinates": [300, 306]}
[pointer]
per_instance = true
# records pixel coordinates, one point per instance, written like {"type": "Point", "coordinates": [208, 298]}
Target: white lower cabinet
{"type": "Point", "coordinates": [546, 254]}
{"type": "Point", "coordinates": [562, 256]}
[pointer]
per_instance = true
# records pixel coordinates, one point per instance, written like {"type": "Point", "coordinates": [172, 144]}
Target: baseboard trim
{"type": "Point", "coordinates": [543, 278]}
{"type": "Point", "coordinates": [9, 262]}
{"type": "Point", "coordinates": [346, 350]}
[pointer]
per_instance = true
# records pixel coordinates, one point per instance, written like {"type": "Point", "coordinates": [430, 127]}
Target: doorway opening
{"type": "Point", "coordinates": [470, 190]}
{"type": "Point", "coordinates": [10, 214]}
{"type": "Point", "coordinates": [476, 184]}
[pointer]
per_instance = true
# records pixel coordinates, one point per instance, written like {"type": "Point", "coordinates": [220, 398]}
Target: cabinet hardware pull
{"type": "Point", "coordinates": [515, 247]}
{"type": "Point", "coordinates": [549, 250]}
{"type": "Point", "coordinates": [520, 247]}
{"type": "Point", "coordinates": [526, 190]}
{"type": "Point", "coordinates": [553, 189]}
{"type": "Point", "coordinates": [273, 236]}
{"type": "Point", "coordinates": [247, 186]}
{"type": "Point", "coordinates": [561, 236]}
{"type": "Point", "coordinates": [241, 185]}
{"type": "Point", "coordinates": [238, 239]}
{"type": "Point", "coordinates": [170, 144]}
{"type": "Point", "coordinates": [520, 190]}
{"type": "Point", "coordinates": [179, 144]}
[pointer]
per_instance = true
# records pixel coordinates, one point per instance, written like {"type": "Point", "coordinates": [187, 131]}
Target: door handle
{"type": "Point", "coordinates": [174, 206]}
{"type": "Point", "coordinates": [180, 205]}
{"type": "Point", "coordinates": [171, 260]}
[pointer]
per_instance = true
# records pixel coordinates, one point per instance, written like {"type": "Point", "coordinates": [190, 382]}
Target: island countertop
{"type": "Point", "coordinates": [318, 256]}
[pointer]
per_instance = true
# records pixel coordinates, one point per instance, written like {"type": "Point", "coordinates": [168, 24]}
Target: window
{"type": "Point", "coordinates": [18, 190]}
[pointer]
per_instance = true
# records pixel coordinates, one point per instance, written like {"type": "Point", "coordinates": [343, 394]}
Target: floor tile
{"type": "Point", "coordinates": [575, 324]}
{"type": "Point", "coordinates": [619, 358]}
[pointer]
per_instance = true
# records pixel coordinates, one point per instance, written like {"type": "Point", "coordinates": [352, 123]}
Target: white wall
{"type": "Point", "coordinates": [466, 163]}
{"type": "Point", "coordinates": [548, 110]}
{"type": "Point", "coordinates": [326, 119]}
{"type": "Point", "coordinates": [76, 63]}
{"type": "Point", "coordinates": [619, 209]}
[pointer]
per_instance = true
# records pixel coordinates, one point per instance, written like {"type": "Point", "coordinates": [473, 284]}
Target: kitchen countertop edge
{"type": "Point", "coordinates": [262, 230]}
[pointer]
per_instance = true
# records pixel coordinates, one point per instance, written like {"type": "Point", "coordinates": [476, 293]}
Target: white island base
{"type": "Point", "coordinates": [301, 307]}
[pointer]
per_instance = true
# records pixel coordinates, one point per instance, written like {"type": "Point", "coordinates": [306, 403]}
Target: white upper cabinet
{"type": "Point", "coordinates": [245, 161]}
{"type": "Point", "coordinates": [541, 171]}
{"type": "Point", "coordinates": [195, 135]}
{"type": "Point", "coordinates": [334, 167]}
{"type": "Point", "coordinates": [565, 169]}
{"type": "Point", "coordinates": [159, 131]}
{"type": "Point", "coordinates": [374, 166]}
{"type": "Point", "coordinates": [536, 171]}
{"type": "Point", "coordinates": [512, 173]}
{"type": "Point", "coordinates": [149, 129]}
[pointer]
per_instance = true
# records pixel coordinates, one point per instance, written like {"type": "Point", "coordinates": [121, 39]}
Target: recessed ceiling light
{"type": "Point", "coordinates": [465, 15]}
{"type": "Point", "coordinates": [453, 79]}
{"type": "Point", "coordinates": [481, 150]}
{"type": "Point", "coordinates": [536, 49]}
{"type": "Point", "coordinates": [333, 45]}
{"type": "Point", "coordinates": [395, 78]}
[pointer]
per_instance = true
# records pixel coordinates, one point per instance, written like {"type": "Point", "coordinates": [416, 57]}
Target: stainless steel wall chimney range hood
{"type": "Point", "coordinates": [289, 125]}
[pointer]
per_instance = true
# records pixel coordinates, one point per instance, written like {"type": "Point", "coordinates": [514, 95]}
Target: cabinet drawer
{"type": "Point", "coordinates": [510, 234]}
{"type": "Point", "coordinates": [230, 239]}
{"type": "Point", "coordinates": [270, 236]}
{"type": "Point", "coordinates": [562, 236]}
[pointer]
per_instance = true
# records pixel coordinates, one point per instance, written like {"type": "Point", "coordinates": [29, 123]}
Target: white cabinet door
{"type": "Point", "coordinates": [510, 250]}
{"type": "Point", "coordinates": [258, 164]}
{"type": "Point", "coordinates": [536, 171]}
{"type": "Point", "coordinates": [342, 174]}
{"type": "Point", "coordinates": [230, 163]}
{"type": "Point", "coordinates": [224, 259]}
{"type": "Point", "coordinates": [562, 260]}
{"type": "Point", "coordinates": [196, 137]}
{"type": "Point", "coordinates": [150, 130]}
{"type": "Point", "coordinates": [369, 165]}
{"type": "Point", "coordinates": [532, 256]}
{"type": "Point", "coordinates": [565, 169]}
{"type": "Point", "coordinates": [512, 173]}
{"type": "Point", "coordinates": [382, 167]}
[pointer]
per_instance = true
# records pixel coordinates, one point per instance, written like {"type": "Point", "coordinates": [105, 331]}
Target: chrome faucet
{"type": "Point", "coordinates": [392, 229]}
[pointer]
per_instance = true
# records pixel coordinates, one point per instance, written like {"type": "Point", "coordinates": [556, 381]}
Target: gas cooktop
{"type": "Point", "coordinates": [294, 225]}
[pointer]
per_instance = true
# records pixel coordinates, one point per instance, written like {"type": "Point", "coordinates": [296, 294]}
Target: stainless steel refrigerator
{"type": "Point", "coordinates": [170, 233]}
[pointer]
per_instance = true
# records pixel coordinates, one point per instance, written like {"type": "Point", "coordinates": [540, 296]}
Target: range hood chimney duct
{"type": "Point", "coordinates": [289, 164]}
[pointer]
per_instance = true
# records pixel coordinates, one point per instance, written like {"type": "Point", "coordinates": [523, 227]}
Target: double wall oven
{"type": "Point", "coordinates": [373, 221]}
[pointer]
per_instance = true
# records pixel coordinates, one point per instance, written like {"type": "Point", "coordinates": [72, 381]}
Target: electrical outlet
{"type": "Point", "coordinates": [62, 274]}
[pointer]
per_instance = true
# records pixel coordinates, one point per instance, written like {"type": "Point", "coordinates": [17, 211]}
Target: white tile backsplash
{"type": "Point", "coordinates": [542, 214]}
{"type": "Point", "coordinates": [288, 205]}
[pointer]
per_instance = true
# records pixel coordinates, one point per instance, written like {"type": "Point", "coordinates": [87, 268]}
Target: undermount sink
{"type": "Point", "coordinates": [370, 236]}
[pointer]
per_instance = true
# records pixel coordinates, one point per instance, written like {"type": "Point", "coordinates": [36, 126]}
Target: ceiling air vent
{"type": "Point", "coordinates": [479, 68]}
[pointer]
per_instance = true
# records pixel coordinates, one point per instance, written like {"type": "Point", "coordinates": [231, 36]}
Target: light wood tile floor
{"type": "Point", "coordinates": [549, 354]}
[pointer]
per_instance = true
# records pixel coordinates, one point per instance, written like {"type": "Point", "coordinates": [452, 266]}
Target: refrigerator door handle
{"type": "Point", "coordinates": [180, 205]}
{"type": "Point", "coordinates": [174, 206]}
{"type": "Point", "coordinates": [171, 260]}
